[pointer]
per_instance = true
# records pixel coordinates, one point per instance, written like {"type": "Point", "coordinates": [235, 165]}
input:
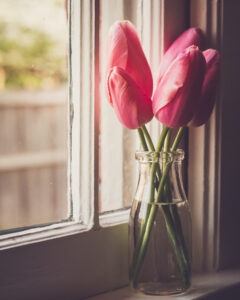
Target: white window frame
{"type": "Point", "coordinates": [69, 261]}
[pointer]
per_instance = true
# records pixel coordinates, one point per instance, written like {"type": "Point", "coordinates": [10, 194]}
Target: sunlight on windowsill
{"type": "Point", "coordinates": [221, 285]}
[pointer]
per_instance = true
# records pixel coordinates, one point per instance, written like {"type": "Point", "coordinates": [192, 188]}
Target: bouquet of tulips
{"type": "Point", "coordinates": [184, 96]}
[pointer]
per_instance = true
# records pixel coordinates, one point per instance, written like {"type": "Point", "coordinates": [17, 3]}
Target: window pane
{"type": "Point", "coordinates": [33, 112]}
{"type": "Point", "coordinates": [117, 144]}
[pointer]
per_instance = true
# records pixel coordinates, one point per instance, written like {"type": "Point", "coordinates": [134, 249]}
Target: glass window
{"type": "Point", "coordinates": [33, 112]}
{"type": "Point", "coordinates": [117, 144]}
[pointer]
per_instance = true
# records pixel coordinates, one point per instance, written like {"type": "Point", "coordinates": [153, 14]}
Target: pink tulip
{"type": "Point", "coordinates": [124, 50]}
{"type": "Point", "coordinates": [132, 106]}
{"type": "Point", "coordinates": [178, 92]}
{"type": "Point", "coordinates": [209, 88]}
{"type": "Point", "coordinates": [192, 36]}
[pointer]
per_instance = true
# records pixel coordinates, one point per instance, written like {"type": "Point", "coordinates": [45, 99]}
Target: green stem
{"type": "Point", "coordinates": [178, 138]}
{"type": "Point", "coordinates": [155, 162]}
{"type": "Point", "coordinates": [178, 249]}
{"type": "Point", "coordinates": [162, 138]}
{"type": "Point", "coordinates": [148, 137]}
{"type": "Point", "coordinates": [151, 145]}
{"type": "Point", "coordinates": [166, 149]}
{"type": "Point", "coordinates": [142, 139]}
{"type": "Point", "coordinates": [154, 167]}
{"type": "Point", "coordinates": [167, 141]}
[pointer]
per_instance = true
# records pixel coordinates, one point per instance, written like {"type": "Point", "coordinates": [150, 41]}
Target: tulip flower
{"type": "Point", "coordinates": [124, 50]}
{"type": "Point", "coordinates": [132, 106]}
{"type": "Point", "coordinates": [209, 88]}
{"type": "Point", "coordinates": [192, 36]}
{"type": "Point", "coordinates": [178, 92]}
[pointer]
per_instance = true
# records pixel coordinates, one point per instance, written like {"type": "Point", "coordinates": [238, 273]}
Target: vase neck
{"type": "Point", "coordinates": [174, 186]}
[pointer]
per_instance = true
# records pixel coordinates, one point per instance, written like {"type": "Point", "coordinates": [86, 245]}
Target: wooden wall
{"type": "Point", "coordinates": [33, 158]}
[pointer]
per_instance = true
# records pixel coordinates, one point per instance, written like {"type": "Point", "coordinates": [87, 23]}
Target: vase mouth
{"type": "Point", "coordinates": [150, 156]}
{"type": "Point", "coordinates": [161, 204]}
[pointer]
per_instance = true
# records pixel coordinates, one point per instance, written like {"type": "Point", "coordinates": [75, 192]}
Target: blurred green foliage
{"type": "Point", "coordinates": [30, 58]}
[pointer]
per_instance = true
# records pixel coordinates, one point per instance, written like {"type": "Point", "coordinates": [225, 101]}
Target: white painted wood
{"type": "Point", "coordinates": [114, 217]}
{"type": "Point", "coordinates": [74, 109]}
{"type": "Point", "coordinates": [82, 123]}
{"type": "Point", "coordinates": [86, 112]}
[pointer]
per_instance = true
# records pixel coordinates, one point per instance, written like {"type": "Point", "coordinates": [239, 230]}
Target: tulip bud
{"type": "Point", "coordinates": [192, 36]}
{"type": "Point", "coordinates": [178, 92]}
{"type": "Point", "coordinates": [124, 50]}
{"type": "Point", "coordinates": [209, 88]}
{"type": "Point", "coordinates": [131, 105]}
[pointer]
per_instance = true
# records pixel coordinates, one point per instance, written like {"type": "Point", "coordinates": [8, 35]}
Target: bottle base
{"type": "Point", "coordinates": [160, 288]}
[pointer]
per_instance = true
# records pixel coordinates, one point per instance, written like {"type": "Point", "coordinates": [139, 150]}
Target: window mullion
{"type": "Point", "coordinates": [84, 124]}
{"type": "Point", "coordinates": [96, 108]}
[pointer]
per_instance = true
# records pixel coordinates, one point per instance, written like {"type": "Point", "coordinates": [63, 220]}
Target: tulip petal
{"type": "Point", "coordinates": [178, 92]}
{"type": "Point", "coordinates": [192, 36]}
{"type": "Point", "coordinates": [117, 47]}
{"type": "Point", "coordinates": [131, 105]}
{"type": "Point", "coordinates": [124, 50]}
{"type": "Point", "coordinates": [209, 88]}
{"type": "Point", "coordinates": [172, 81]}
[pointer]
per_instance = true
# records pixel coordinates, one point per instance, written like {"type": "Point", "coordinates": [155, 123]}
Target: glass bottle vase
{"type": "Point", "coordinates": [160, 226]}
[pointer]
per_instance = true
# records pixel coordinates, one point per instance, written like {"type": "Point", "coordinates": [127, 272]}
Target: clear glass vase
{"type": "Point", "coordinates": [160, 226]}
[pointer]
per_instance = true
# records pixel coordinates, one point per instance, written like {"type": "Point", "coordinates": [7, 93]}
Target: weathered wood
{"type": "Point", "coordinates": [33, 158]}
{"type": "Point", "coordinates": [33, 99]}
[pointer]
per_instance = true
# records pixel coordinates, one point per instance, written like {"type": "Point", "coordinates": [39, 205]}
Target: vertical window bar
{"type": "Point", "coordinates": [70, 110]}
{"type": "Point", "coordinates": [84, 122]}
{"type": "Point", "coordinates": [74, 104]}
{"type": "Point", "coordinates": [96, 79]}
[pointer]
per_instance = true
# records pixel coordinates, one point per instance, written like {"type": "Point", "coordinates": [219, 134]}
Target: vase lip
{"type": "Point", "coordinates": [150, 156]}
{"type": "Point", "coordinates": [161, 204]}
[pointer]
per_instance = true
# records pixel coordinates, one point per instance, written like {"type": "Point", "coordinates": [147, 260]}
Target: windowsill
{"type": "Point", "coordinates": [221, 285]}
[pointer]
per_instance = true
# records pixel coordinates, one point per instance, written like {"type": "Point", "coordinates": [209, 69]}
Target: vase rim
{"type": "Point", "coordinates": [160, 204]}
{"type": "Point", "coordinates": [150, 156]}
